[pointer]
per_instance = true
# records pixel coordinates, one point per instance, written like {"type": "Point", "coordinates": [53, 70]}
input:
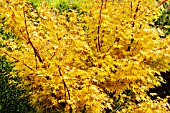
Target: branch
{"type": "Point", "coordinates": [161, 3]}
{"type": "Point", "coordinates": [84, 110]}
{"type": "Point", "coordinates": [59, 70]}
{"type": "Point", "coordinates": [99, 26]}
{"type": "Point", "coordinates": [133, 23]}
{"type": "Point", "coordinates": [29, 41]}
{"type": "Point", "coordinates": [17, 60]}
{"type": "Point", "coordinates": [107, 51]}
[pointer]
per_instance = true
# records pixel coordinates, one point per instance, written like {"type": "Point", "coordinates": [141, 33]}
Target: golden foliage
{"type": "Point", "coordinates": [72, 62]}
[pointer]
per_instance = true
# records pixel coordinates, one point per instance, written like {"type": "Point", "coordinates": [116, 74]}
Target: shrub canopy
{"type": "Point", "coordinates": [87, 62]}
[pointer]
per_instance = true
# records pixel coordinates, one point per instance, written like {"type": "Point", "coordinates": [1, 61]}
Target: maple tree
{"type": "Point", "coordinates": [87, 62]}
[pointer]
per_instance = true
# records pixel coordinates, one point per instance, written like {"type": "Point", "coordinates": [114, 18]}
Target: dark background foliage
{"type": "Point", "coordinates": [162, 22]}
{"type": "Point", "coordinates": [10, 95]}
